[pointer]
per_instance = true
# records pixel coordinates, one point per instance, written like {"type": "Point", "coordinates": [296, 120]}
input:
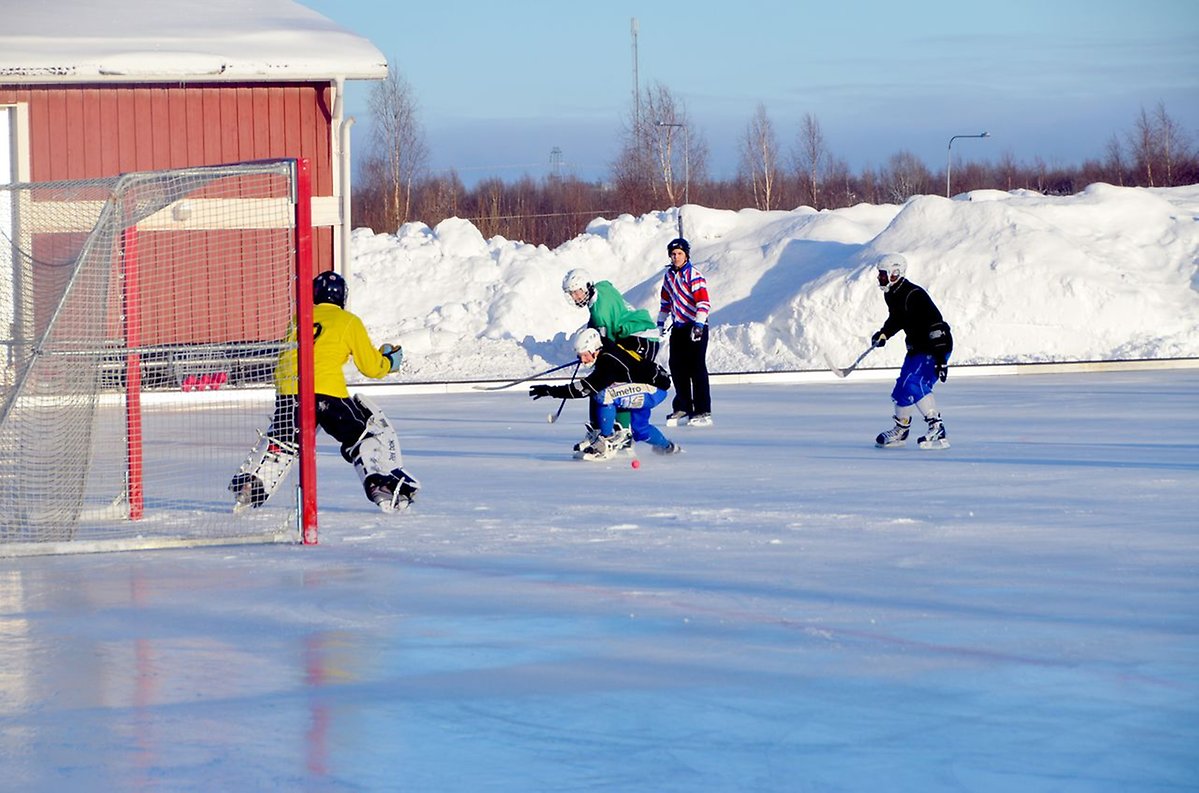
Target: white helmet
{"type": "Point", "coordinates": [588, 340]}
{"type": "Point", "coordinates": [579, 280]}
{"type": "Point", "coordinates": [892, 268]}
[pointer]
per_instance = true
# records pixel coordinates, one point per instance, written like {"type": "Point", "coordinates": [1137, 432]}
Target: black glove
{"type": "Point", "coordinates": [697, 331]}
{"type": "Point", "coordinates": [942, 371]}
{"type": "Point", "coordinates": [540, 390]}
{"type": "Point", "coordinates": [878, 339]}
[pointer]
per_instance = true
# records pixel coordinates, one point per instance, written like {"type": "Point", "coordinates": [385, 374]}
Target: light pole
{"type": "Point", "coordinates": [949, 160]}
{"type": "Point", "coordinates": [686, 167]}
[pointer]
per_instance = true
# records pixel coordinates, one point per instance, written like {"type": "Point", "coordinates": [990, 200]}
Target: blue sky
{"type": "Point", "coordinates": [499, 85]}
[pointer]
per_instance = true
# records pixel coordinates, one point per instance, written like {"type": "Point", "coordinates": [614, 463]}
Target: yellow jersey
{"type": "Point", "coordinates": [337, 336]}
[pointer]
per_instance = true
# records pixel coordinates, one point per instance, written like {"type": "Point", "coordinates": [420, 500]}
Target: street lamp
{"type": "Point", "coordinates": [949, 161]}
{"type": "Point", "coordinates": [686, 167]}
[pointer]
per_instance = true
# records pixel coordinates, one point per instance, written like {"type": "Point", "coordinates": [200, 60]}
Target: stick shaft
{"type": "Point", "coordinates": [839, 372]}
{"type": "Point", "coordinates": [562, 404]}
{"type": "Point", "coordinates": [524, 379]}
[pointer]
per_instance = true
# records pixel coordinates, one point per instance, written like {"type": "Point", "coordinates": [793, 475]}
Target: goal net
{"type": "Point", "coordinates": [142, 317]}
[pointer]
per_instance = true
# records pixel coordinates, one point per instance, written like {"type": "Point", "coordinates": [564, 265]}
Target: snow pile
{"type": "Point", "coordinates": [1108, 273]}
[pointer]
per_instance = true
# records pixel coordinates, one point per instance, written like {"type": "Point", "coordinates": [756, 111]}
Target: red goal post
{"type": "Point", "coordinates": [142, 318]}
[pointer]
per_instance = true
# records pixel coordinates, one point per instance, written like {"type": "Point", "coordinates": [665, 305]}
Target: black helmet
{"type": "Point", "coordinates": [329, 287]}
{"type": "Point", "coordinates": [680, 244]}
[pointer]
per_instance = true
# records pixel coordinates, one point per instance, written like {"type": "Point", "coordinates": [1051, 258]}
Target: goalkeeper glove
{"type": "Point", "coordinates": [394, 355]}
{"type": "Point", "coordinates": [540, 390]}
{"type": "Point", "coordinates": [878, 339]}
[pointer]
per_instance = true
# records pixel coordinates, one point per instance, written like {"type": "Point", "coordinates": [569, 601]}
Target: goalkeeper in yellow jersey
{"type": "Point", "coordinates": [368, 441]}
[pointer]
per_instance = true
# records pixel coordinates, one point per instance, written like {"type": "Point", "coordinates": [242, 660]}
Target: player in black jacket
{"type": "Point", "coordinates": [929, 346]}
{"type": "Point", "coordinates": [618, 381]}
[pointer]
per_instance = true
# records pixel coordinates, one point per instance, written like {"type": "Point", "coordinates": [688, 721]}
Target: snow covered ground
{"type": "Point", "coordinates": [781, 608]}
{"type": "Point", "coordinates": [1111, 272]}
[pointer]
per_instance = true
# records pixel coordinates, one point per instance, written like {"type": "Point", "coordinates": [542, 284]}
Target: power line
{"type": "Point", "coordinates": [592, 212]}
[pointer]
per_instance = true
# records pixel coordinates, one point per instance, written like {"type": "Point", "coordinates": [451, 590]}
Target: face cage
{"type": "Point", "coordinates": [587, 298]}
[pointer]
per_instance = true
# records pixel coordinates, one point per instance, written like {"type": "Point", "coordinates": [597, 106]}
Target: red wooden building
{"type": "Point", "coordinates": [92, 88]}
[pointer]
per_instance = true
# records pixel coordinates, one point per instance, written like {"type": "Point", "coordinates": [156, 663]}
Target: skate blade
{"type": "Point", "coordinates": [595, 458]}
{"type": "Point", "coordinates": [893, 445]}
{"type": "Point", "coordinates": [243, 499]}
{"type": "Point", "coordinates": [677, 422]}
{"type": "Point", "coordinates": [939, 444]}
{"type": "Point", "coordinates": [389, 507]}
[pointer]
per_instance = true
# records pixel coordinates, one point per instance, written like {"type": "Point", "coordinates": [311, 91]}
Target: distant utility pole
{"type": "Point", "coordinates": [556, 163]}
{"type": "Point", "coordinates": [636, 79]}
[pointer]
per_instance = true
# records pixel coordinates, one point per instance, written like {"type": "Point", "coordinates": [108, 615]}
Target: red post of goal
{"type": "Point", "coordinates": [132, 328]}
{"type": "Point", "coordinates": [307, 388]}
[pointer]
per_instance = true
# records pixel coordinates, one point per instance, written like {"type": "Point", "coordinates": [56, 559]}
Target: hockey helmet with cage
{"type": "Point", "coordinates": [329, 287]}
{"type": "Point", "coordinates": [892, 268]}
{"type": "Point", "coordinates": [579, 280]}
{"type": "Point", "coordinates": [678, 243]}
{"type": "Point", "coordinates": [588, 340]}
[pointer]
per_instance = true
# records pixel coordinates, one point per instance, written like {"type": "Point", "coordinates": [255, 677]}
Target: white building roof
{"type": "Point", "coordinates": [75, 41]}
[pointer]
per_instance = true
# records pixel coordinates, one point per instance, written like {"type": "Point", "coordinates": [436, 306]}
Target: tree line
{"type": "Point", "coordinates": [663, 162]}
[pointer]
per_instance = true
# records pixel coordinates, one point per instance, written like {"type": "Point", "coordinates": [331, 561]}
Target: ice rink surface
{"type": "Point", "coordinates": [783, 607]}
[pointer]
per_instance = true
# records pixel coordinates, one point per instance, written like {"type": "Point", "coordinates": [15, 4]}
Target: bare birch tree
{"type": "Point", "coordinates": [905, 176]}
{"type": "Point", "coordinates": [1171, 142]}
{"type": "Point", "coordinates": [759, 159]}
{"type": "Point", "coordinates": [1158, 147]}
{"type": "Point", "coordinates": [398, 152]}
{"type": "Point", "coordinates": [633, 171]}
{"type": "Point", "coordinates": [668, 137]}
{"type": "Point", "coordinates": [661, 150]}
{"type": "Point", "coordinates": [1114, 161]}
{"type": "Point", "coordinates": [1144, 145]}
{"type": "Point", "coordinates": [811, 159]}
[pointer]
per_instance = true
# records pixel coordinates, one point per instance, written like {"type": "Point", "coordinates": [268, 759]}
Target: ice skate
{"type": "Point", "coordinates": [382, 495]}
{"type": "Point", "coordinates": [677, 419]}
{"type": "Point", "coordinates": [701, 420]}
{"type": "Point", "coordinates": [600, 449]}
{"type": "Point", "coordinates": [588, 439]}
{"type": "Point", "coordinates": [671, 448]}
{"type": "Point", "coordinates": [894, 436]}
{"type": "Point", "coordinates": [392, 494]}
{"type": "Point", "coordinates": [243, 487]}
{"type": "Point", "coordinates": [936, 437]}
{"type": "Point", "coordinates": [622, 439]}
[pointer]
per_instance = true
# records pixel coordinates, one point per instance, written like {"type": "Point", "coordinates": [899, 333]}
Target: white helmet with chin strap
{"type": "Point", "coordinates": [892, 268]}
{"type": "Point", "coordinates": [579, 280]}
{"type": "Point", "coordinates": [588, 340]}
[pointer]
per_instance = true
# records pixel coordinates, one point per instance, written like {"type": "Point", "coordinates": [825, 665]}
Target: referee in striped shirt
{"type": "Point", "coordinates": [685, 301]}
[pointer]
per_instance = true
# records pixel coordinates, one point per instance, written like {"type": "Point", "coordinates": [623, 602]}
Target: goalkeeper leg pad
{"type": "Point", "coordinates": [263, 472]}
{"type": "Point", "coordinates": [379, 461]}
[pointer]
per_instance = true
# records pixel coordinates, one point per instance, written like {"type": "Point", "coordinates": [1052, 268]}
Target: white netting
{"type": "Point", "coordinates": [141, 318]}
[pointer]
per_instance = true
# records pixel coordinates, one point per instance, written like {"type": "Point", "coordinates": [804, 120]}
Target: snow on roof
{"type": "Point", "coordinates": [72, 41]}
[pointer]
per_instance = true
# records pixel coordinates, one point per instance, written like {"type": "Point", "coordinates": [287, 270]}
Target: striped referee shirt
{"type": "Point", "coordinates": [684, 296]}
